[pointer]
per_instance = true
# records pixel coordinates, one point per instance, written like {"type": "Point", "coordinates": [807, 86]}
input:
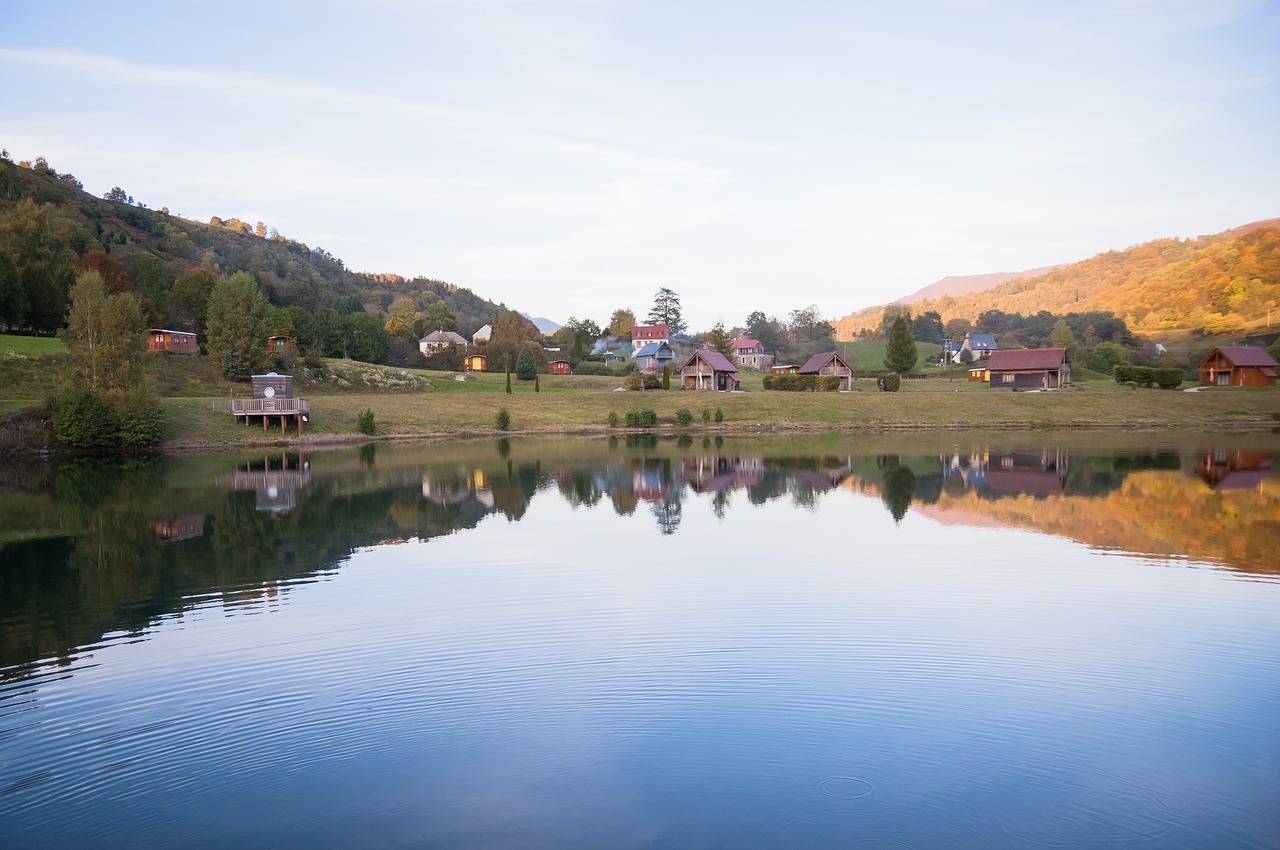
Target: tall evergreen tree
{"type": "Point", "coordinates": [666, 311]}
{"type": "Point", "coordinates": [900, 354]}
{"type": "Point", "coordinates": [526, 364]}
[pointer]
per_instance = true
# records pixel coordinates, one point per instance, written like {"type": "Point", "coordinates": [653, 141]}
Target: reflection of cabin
{"type": "Point", "coordinates": [1237, 366]}
{"type": "Point", "coordinates": [558, 367]}
{"type": "Point", "coordinates": [708, 370]}
{"type": "Point", "coordinates": [475, 363]}
{"type": "Point", "coordinates": [1031, 368]}
{"type": "Point", "coordinates": [1233, 469]}
{"type": "Point", "coordinates": [279, 345]}
{"type": "Point", "coordinates": [186, 527]}
{"type": "Point", "coordinates": [272, 396]}
{"type": "Point", "coordinates": [172, 342]}
{"type": "Point", "coordinates": [828, 364]}
{"type": "Point", "coordinates": [1033, 473]}
{"type": "Point", "coordinates": [275, 481]}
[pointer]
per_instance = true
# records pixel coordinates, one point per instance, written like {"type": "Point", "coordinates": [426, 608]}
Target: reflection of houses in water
{"type": "Point", "coordinates": [1233, 469]}
{"type": "Point", "coordinates": [275, 481]}
{"type": "Point", "coordinates": [649, 484]}
{"type": "Point", "coordinates": [710, 474]}
{"type": "Point", "coordinates": [1034, 473]}
{"type": "Point", "coordinates": [180, 528]}
{"type": "Point", "coordinates": [468, 483]}
{"type": "Point", "coordinates": [270, 595]}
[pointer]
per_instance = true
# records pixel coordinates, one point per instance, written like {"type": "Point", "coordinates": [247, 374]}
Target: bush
{"type": "Point", "coordinates": [892, 382]}
{"type": "Point", "coordinates": [587, 368]}
{"type": "Point", "coordinates": [365, 423]}
{"type": "Point", "coordinates": [613, 419]}
{"type": "Point", "coordinates": [141, 423]}
{"type": "Point", "coordinates": [526, 364]}
{"type": "Point", "coordinates": [503, 420]}
{"type": "Point", "coordinates": [83, 419]}
{"type": "Point", "coordinates": [684, 417]}
{"type": "Point", "coordinates": [1143, 376]}
{"type": "Point", "coordinates": [1168, 379]}
{"type": "Point", "coordinates": [646, 418]}
{"type": "Point", "coordinates": [706, 414]}
{"type": "Point", "coordinates": [641, 380]}
{"type": "Point", "coordinates": [828, 383]}
{"type": "Point", "coordinates": [767, 380]}
{"type": "Point", "coordinates": [719, 415]}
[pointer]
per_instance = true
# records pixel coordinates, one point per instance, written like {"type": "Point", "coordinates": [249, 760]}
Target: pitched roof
{"type": "Point", "coordinates": [714, 359]}
{"type": "Point", "coordinates": [984, 341]}
{"type": "Point", "coordinates": [815, 363]}
{"type": "Point", "coordinates": [651, 349]}
{"type": "Point", "coordinates": [746, 342]}
{"type": "Point", "coordinates": [484, 333]}
{"type": "Point", "coordinates": [1005, 360]}
{"type": "Point", "coordinates": [444, 336]}
{"type": "Point", "coordinates": [1245, 355]}
{"type": "Point", "coordinates": [650, 332]}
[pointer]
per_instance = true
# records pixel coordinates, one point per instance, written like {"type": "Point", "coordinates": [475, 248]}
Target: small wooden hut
{"type": "Point", "coordinates": [558, 367]}
{"type": "Point", "coordinates": [172, 342]}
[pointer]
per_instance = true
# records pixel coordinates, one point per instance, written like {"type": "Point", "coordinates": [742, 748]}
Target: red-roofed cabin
{"type": "Point", "coordinates": [1029, 369]}
{"type": "Point", "coordinates": [1237, 366]}
{"type": "Point", "coordinates": [173, 342]}
{"type": "Point", "coordinates": [558, 367]}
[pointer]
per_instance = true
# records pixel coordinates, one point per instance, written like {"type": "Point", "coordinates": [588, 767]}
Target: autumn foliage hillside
{"type": "Point", "coordinates": [1227, 284]}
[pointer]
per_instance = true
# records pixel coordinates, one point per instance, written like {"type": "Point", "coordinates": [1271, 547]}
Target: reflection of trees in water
{"type": "Point", "coordinates": [668, 514]}
{"type": "Point", "coordinates": [899, 486]}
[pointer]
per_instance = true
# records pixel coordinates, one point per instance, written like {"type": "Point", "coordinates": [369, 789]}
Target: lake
{"type": "Point", "coordinates": [953, 640]}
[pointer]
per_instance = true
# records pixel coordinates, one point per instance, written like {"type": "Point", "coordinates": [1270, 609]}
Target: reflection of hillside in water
{"type": "Point", "coordinates": [95, 548]}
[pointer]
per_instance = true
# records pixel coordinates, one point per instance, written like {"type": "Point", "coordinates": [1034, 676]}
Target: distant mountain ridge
{"type": "Point", "coordinates": [546, 326]}
{"type": "Point", "coordinates": [1227, 283]}
{"type": "Point", "coordinates": [957, 285]}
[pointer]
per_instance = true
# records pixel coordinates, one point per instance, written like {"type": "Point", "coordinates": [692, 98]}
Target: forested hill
{"type": "Point", "coordinates": [1227, 284]}
{"type": "Point", "coordinates": [48, 225]}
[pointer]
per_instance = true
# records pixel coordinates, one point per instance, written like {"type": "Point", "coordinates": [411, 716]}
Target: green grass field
{"type": "Point", "coordinates": [31, 346]}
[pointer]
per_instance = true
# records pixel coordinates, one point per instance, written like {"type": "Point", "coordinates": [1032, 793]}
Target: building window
{"type": "Point", "coordinates": [1224, 379]}
{"type": "Point", "coordinates": [1008, 379]}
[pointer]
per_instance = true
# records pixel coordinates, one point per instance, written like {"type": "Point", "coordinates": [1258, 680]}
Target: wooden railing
{"type": "Point", "coordinates": [262, 406]}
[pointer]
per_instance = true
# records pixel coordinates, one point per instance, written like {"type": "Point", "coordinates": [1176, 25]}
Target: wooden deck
{"type": "Point", "coordinates": [285, 408]}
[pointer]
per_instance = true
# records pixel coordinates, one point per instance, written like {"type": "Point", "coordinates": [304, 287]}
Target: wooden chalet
{"type": "Point", "coordinates": [558, 367]}
{"type": "Point", "coordinates": [788, 369]}
{"type": "Point", "coordinates": [708, 370]}
{"type": "Point", "coordinates": [1029, 369]}
{"type": "Point", "coordinates": [827, 364]}
{"type": "Point", "coordinates": [1237, 366]}
{"type": "Point", "coordinates": [280, 345]}
{"type": "Point", "coordinates": [475, 363]}
{"type": "Point", "coordinates": [172, 342]}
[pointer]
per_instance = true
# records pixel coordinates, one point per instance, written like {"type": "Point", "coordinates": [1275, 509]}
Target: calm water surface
{"type": "Point", "coordinates": [834, 642]}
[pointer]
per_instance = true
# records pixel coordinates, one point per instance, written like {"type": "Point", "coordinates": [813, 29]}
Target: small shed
{"type": "Point", "coordinates": [708, 370]}
{"type": "Point", "coordinates": [1238, 366]}
{"type": "Point", "coordinates": [279, 344]}
{"type": "Point", "coordinates": [558, 367]}
{"type": "Point", "coordinates": [789, 369]}
{"type": "Point", "coordinates": [1029, 369]}
{"type": "Point", "coordinates": [475, 363]}
{"type": "Point", "coordinates": [980, 374]}
{"type": "Point", "coordinates": [272, 385]}
{"type": "Point", "coordinates": [172, 342]}
{"type": "Point", "coordinates": [830, 363]}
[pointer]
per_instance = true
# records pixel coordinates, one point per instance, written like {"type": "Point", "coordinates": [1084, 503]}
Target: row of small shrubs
{"type": "Point", "coordinates": [1146, 376]}
{"type": "Point", "coordinates": [648, 418]}
{"type": "Point", "coordinates": [802, 383]}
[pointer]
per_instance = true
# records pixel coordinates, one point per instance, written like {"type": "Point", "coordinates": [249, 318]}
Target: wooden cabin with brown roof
{"type": "Point", "coordinates": [708, 370]}
{"type": "Point", "coordinates": [172, 342]}
{"type": "Point", "coordinates": [1237, 366]}
{"type": "Point", "coordinates": [1029, 369]}
{"type": "Point", "coordinates": [558, 367]}
{"type": "Point", "coordinates": [475, 363]}
{"type": "Point", "coordinates": [830, 364]}
{"type": "Point", "coordinates": [280, 344]}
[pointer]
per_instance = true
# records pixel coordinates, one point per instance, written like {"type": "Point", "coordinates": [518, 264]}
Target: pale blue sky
{"type": "Point", "coordinates": [569, 158]}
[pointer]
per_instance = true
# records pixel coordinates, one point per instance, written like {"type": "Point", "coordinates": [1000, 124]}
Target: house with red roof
{"type": "Point", "coordinates": [749, 354]}
{"type": "Point", "coordinates": [1029, 369]}
{"type": "Point", "coordinates": [1238, 366]}
{"type": "Point", "coordinates": [828, 364]}
{"type": "Point", "coordinates": [708, 370]}
{"type": "Point", "coordinates": [642, 335]}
